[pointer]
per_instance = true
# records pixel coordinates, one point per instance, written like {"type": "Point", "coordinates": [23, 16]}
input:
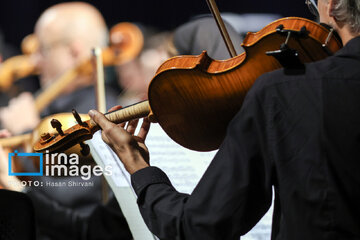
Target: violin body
{"type": "Point", "coordinates": [194, 98]}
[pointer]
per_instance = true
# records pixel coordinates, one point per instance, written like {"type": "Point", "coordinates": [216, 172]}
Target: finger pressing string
{"type": "Point", "coordinates": [131, 127]}
{"type": "Point", "coordinates": [144, 130]}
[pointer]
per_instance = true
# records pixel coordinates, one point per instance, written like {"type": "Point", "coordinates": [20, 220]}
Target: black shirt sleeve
{"type": "Point", "coordinates": [232, 196]}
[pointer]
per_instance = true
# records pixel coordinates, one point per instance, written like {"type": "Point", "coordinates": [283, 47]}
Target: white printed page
{"type": "Point", "coordinates": [119, 182]}
{"type": "Point", "coordinates": [184, 168]}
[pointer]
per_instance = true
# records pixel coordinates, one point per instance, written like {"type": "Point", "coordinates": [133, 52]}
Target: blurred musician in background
{"type": "Point", "coordinates": [65, 41]}
{"type": "Point", "coordinates": [190, 38]}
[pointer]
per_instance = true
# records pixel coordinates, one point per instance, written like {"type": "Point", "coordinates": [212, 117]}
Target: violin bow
{"type": "Point", "coordinates": [100, 106]}
{"type": "Point", "coordinates": [220, 23]}
{"type": "Point", "coordinates": [100, 81]}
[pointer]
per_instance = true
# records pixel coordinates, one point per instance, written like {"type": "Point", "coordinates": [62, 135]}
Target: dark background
{"type": "Point", "coordinates": [17, 17]}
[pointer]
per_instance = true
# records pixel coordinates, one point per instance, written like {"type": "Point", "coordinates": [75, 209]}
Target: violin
{"type": "Point", "coordinates": [126, 42]}
{"type": "Point", "coordinates": [193, 98]}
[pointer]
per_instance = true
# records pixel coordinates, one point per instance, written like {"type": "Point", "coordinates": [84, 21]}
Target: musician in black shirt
{"type": "Point", "coordinates": [297, 133]}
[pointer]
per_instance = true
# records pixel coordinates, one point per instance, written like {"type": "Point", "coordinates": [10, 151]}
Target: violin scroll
{"type": "Point", "coordinates": [62, 140]}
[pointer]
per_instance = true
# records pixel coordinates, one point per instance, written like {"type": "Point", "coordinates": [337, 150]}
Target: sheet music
{"type": "Point", "coordinates": [183, 167]}
{"type": "Point", "coordinates": [119, 182]}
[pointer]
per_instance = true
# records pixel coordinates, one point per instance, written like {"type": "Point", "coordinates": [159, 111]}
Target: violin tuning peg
{"type": "Point", "coordinates": [45, 136]}
{"type": "Point", "coordinates": [85, 149]}
{"type": "Point", "coordinates": [77, 117]}
{"type": "Point", "coordinates": [57, 125]}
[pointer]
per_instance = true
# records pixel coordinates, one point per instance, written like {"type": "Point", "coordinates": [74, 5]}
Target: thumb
{"type": "Point", "coordinates": [100, 119]}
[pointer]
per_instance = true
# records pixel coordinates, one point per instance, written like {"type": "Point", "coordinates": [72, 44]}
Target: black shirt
{"type": "Point", "coordinates": [297, 133]}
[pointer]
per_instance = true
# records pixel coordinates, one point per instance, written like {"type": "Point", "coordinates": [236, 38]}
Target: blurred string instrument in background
{"type": "Point", "coordinates": [126, 43]}
{"type": "Point", "coordinates": [20, 66]}
{"type": "Point", "coordinates": [193, 98]}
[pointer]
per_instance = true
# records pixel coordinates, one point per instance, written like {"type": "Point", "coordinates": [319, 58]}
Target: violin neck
{"type": "Point", "coordinates": [135, 111]}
